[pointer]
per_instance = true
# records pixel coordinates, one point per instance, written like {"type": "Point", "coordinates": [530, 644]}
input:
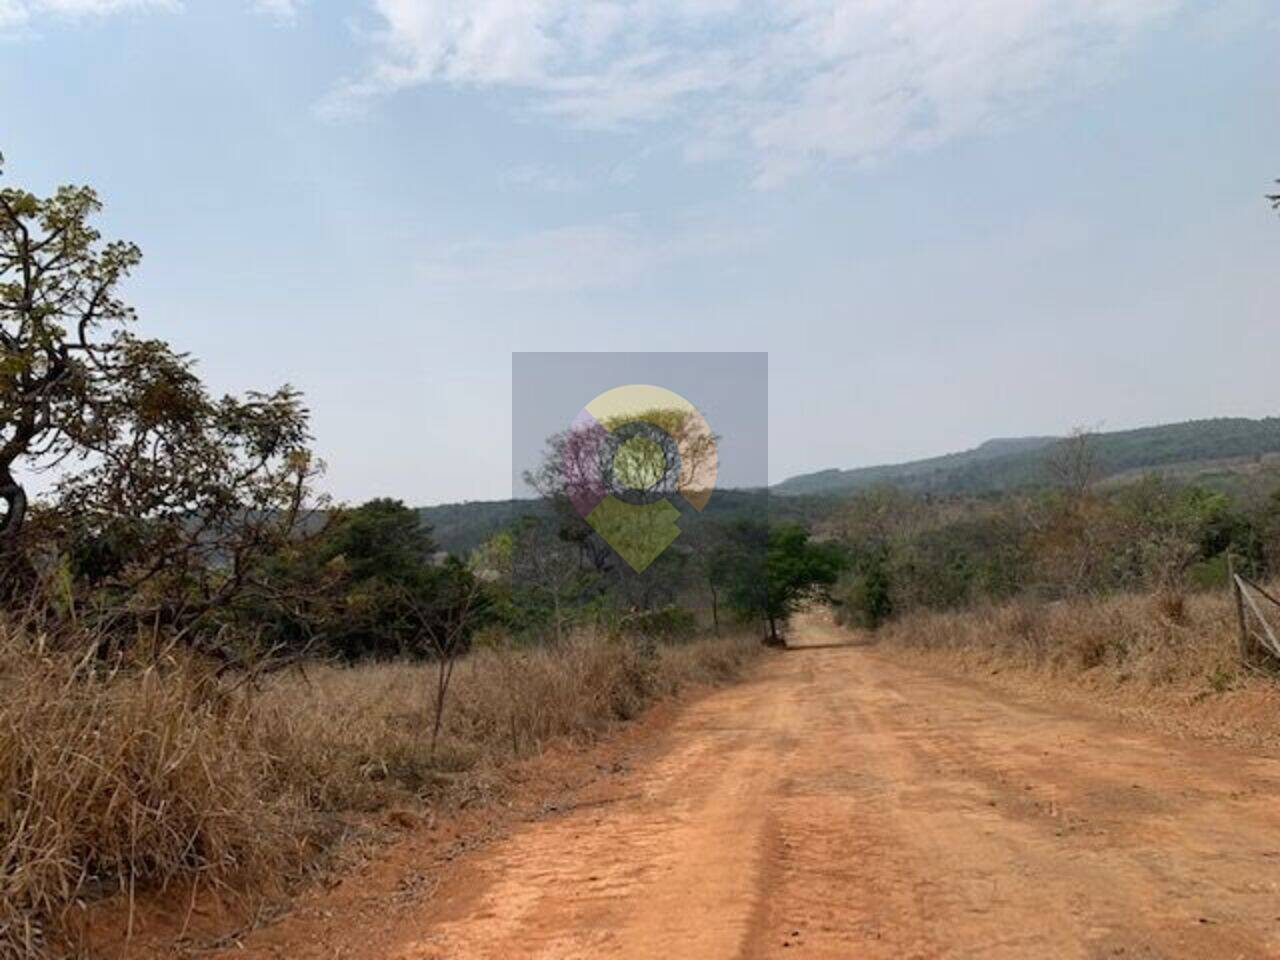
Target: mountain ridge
{"type": "Point", "coordinates": [1009, 463]}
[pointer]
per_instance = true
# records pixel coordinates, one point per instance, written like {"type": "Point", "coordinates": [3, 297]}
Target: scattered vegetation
{"type": "Point", "coordinates": [1123, 588]}
{"type": "Point", "coordinates": [1077, 538]}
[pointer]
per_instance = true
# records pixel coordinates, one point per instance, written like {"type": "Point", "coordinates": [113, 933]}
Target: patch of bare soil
{"type": "Point", "coordinates": [389, 868]}
{"type": "Point", "coordinates": [841, 804]}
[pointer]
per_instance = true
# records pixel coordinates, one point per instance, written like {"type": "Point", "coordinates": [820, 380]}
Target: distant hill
{"type": "Point", "coordinates": [1234, 454]}
{"type": "Point", "coordinates": [461, 527]}
{"type": "Point", "coordinates": [1181, 449]}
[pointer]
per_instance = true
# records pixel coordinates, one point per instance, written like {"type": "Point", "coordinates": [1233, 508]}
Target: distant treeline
{"type": "Point", "coordinates": [460, 528]}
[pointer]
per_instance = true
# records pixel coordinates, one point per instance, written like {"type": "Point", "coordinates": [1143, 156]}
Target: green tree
{"type": "Point", "coordinates": [169, 497]}
{"type": "Point", "coordinates": [796, 570]}
{"type": "Point", "coordinates": [866, 593]}
{"type": "Point", "coordinates": [370, 584]}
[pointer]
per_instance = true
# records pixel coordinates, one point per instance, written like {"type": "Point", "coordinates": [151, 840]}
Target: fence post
{"type": "Point", "coordinates": [1243, 639]}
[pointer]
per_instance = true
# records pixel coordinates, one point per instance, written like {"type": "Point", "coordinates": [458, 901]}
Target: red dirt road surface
{"type": "Point", "coordinates": [840, 805]}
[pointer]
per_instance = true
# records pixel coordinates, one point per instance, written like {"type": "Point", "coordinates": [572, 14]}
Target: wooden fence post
{"type": "Point", "coordinates": [1240, 618]}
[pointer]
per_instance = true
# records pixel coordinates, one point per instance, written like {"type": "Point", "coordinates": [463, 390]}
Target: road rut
{"type": "Point", "coordinates": [840, 804]}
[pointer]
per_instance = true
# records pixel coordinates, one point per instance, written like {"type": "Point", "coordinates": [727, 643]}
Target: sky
{"type": "Point", "coordinates": [943, 221]}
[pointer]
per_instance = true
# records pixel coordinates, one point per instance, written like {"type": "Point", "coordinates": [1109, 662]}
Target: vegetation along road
{"type": "Point", "coordinates": [839, 804]}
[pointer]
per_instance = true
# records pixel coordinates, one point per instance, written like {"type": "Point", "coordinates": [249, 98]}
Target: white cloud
{"type": "Point", "coordinates": [12, 13]}
{"type": "Point", "coordinates": [285, 10]}
{"type": "Point", "coordinates": [578, 258]}
{"type": "Point", "coordinates": [546, 179]}
{"type": "Point", "coordinates": [18, 13]}
{"type": "Point", "coordinates": [801, 82]}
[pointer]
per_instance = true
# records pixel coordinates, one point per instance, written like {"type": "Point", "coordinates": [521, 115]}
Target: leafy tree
{"type": "Point", "coordinates": [866, 594]}
{"type": "Point", "coordinates": [380, 540]}
{"type": "Point", "coordinates": [370, 585]}
{"type": "Point", "coordinates": [796, 570]}
{"type": "Point", "coordinates": [168, 498]}
{"type": "Point", "coordinates": [57, 297]}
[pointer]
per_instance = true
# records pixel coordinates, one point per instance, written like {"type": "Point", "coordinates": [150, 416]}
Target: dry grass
{"type": "Point", "coordinates": [1169, 658]}
{"type": "Point", "coordinates": [129, 778]}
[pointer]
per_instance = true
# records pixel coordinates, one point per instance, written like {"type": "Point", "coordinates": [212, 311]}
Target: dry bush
{"type": "Point", "coordinates": [1155, 639]}
{"type": "Point", "coordinates": [128, 777]}
{"type": "Point", "coordinates": [115, 777]}
{"type": "Point", "coordinates": [1167, 660]}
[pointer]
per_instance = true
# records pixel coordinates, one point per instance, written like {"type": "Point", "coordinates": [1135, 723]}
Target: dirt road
{"type": "Point", "coordinates": [841, 805]}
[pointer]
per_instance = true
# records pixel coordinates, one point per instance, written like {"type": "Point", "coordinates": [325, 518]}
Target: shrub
{"type": "Point", "coordinates": [664, 623]}
{"type": "Point", "coordinates": [1159, 639]}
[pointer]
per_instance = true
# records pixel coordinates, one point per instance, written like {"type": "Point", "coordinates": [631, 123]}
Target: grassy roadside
{"type": "Point", "coordinates": [1167, 660]}
{"type": "Point", "coordinates": [128, 778]}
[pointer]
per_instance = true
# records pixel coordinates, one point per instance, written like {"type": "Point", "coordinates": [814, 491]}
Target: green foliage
{"type": "Point", "coordinates": [911, 552]}
{"type": "Point", "coordinates": [381, 540]}
{"type": "Point", "coordinates": [863, 594]}
{"type": "Point", "coordinates": [169, 499]}
{"type": "Point", "coordinates": [372, 584]}
{"type": "Point", "coordinates": [771, 571]}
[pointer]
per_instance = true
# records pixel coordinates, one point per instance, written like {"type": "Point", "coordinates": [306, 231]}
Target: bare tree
{"type": "Point", "coordinates": [1077, 524]}
{"type": "Point", "coordinates": [1073, 463]}
{"type": "Point", "coordinates": [445, 621]}
{"type": "Point", "coordinates": [550, 566]}
{"type": "Point", "coordinates": [878, 516]}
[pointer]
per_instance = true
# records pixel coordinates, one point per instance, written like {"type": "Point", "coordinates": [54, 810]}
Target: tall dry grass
{"type": "Point", "coordinates": [1168, 657]}
{"type": "Point", "coordinates": [124, 778]}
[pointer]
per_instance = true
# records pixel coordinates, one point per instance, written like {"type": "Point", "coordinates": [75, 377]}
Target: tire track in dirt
{"type": "Point", "coordinates": [839, 804]}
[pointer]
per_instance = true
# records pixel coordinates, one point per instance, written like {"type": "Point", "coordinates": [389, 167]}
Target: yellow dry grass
{"type": "Point", "coordinates": [1169, 659]}
{"type": "Point", "coordinates": [123, 778]}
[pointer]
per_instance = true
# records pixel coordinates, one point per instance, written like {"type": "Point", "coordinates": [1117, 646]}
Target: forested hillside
{"type": "Point", "coordinates": [1020, 463]}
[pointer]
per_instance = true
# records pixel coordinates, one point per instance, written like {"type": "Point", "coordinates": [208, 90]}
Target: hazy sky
{"type": "Point", "coordinates": [944, 220]}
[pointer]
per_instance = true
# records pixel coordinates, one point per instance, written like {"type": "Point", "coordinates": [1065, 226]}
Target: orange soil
{"type": "Point", "coordinates": [840, 804]}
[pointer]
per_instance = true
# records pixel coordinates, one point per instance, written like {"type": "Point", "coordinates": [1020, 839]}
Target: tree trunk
{"type": "Point", "coordinates": [15, 499]}
{"type": "Point", "coordinates": [17, 573]}
{"type": "Point", "coordinates": [442, 691]}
